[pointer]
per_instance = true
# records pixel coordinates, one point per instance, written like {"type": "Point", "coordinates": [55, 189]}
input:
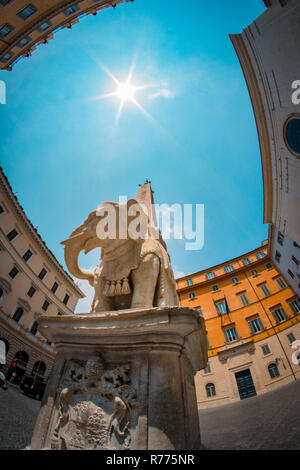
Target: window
{"type": "Point", "coordinates": [256, 325]}
{"type": "Point", "coordinates": [279, 315]}
{"type": "Point", "coordinates": [265, 349]}
{"type": "Point", "coordinates": [2, 210]}
{"type": "Point", "coordinates": [231, 334]}
{"type": "Point", "coordinates": [6, 57]}
{"type": "Point", "coordinates": [281, 283]}
{"type": "Point", "coordinates": [34, 328]}
{"type": "Point", "coordinates": [235, 280]}
{"type": "Point", "coordinates": [254, 272]}
{"type": "Point", "coordinates": [5, 2]}
{"type": "Point", "coordinates": [39, 369]}
{"type": "Point", "coordinates": [5, 29]}
{"type": "Point", "coordinates": [23, 42]}
{"type": "Point", "coordinates": [59, 313]}
{"type": "Point", "coordinates": [18, 314]}
{"type": "Point", "coordinates": [210, 275]}
{"type": "Point", "coordinates": [207, 369]}
{"type": "Point", "coordinates": [277, 256]}
{"type": "Point", "coordinates": [215, 287]}
{"type": "Point", "coordinates": [45, 305]}
{"type": "Point", "coordinates": [66, 299]}
{"type": "Point", "coordinates": [260, 255]}
{"type": "Point", "coordinates": [221, 307]}
{"type": "Point", "coordinates": [292, 134]}
{"type": "Point", "coordinates": [42, 274]}
{"type": "Point", "coordinates": [280, 238]}
{"type": "Point", "coordinates": [291, 337]}
{"type": "Point", "coordinates": [295, 306]}
{"type": "Point", "coordinates": [13, 273]}
{"type": "Point", "coordinates": [244, 299]}
{"type": "Point", "coordinates": [44, 26]}
{"type": "Point", "coordinates": [273, 371]}
{"type": "Point", "coordinates": [70, 10]}
{"type": "Point", "coordinates": [26, 12]}
{"type": "Point", "coordinates": [31, 292]}
{"type": "Point", "coordinates": [1, 294]}
{"type": "Point", "coordinates": [54, 287]}
{"type": "Point", "coordinates": [291, 274]}
{"type": "Point", "coordinates": [192, 295]}
{"type": "Point", "coordinates": [269, 265]}
{"type": "Point", "coordinates": [228, 268]}
{"type": "Point", "coordinates": [296, 244]}
{"type": "Point", "coordinates": [265, 290]}
{"type": "Point", "coordinates": [296, 261]}
{"type": "Point", "coordinates": [27, 255]}
{"type": "Point", "coordinates": [210, 390]}
{"type": "Point", "coordinates": [189, 282]}
{"type": "Point", "coordinates": [12, 234]}
{"type": "Point", "coordinates": [246, 261]}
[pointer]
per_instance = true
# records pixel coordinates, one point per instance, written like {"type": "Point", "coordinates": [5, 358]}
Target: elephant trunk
{"type": "Point", "coordinates": [72, 251]}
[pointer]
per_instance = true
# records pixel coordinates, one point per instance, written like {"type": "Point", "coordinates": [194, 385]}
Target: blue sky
{"type": "Point", "coordinates": [63, 154]}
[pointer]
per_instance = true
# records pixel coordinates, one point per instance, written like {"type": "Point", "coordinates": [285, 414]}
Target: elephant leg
{"type": "Point", "coordinates": [101, 302]}
{"type": "Point", "coordinates": [144, 280]}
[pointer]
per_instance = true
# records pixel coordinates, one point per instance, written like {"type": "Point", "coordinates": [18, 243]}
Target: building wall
{"type": "Point", "coordinates": [285, 254]}
{"type": "Point", "coordinates": [47, 16]}
{"type": "Point", "coordinates": [14, 293]}
{"type": "Point", "coordinates": [268, 51]}
{"type": "Point", "coordinates": [226, 358]}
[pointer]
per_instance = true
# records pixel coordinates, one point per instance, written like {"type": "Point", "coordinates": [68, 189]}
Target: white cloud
{"type": "Point", "coordinates": [178, 274]}
{"type": "Point", "coordinates": [162, 93]}
{"type": "Point", "coordinates": [84, 305]}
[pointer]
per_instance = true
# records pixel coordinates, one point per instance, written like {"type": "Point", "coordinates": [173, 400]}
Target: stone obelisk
{"type": "Point", "coordinates": [123, 378]}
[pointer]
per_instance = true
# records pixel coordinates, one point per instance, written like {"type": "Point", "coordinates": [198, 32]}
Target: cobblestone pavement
{"type": "Point", "coordinates": [17, 418]}
{"type": "Point", "coordinates": [267, 422]}
{"type": "Point", "coordinates": [270, 421]}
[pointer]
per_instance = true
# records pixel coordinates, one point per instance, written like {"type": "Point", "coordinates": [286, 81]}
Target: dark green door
{"type": "Point", "coordinates": [245, 384]}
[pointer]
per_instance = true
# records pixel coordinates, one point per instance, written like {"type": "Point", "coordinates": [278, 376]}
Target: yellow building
{"type": "Point", "coordinates": [252, 319]}
{"type": "Point", "coordinates": [24, 25]}
{"type": "Point", "coordinates": [32, 282]}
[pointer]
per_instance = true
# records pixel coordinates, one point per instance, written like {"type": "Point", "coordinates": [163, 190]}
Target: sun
{"type": "Point", "coordinates": [126, 91]}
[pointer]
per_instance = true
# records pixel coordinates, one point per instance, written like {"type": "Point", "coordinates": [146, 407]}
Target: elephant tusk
{"type": "Point", "coordinates": [74, 238]}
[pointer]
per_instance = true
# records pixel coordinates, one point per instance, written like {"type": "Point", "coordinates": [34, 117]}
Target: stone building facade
{"type": "Point", "coordinates": [24, 25]}
{"type": "Point", "coordinates": [252, 320]}
{"type": "Point", "coordinates": [268, 51]}
{"type": "Point", "coordinates": [32, 282]}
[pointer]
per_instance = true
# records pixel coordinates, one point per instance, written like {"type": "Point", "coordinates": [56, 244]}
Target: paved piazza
{"type": "Point", "coordinates": [270, 421]}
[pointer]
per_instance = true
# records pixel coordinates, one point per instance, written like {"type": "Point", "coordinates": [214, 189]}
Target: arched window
{"type": "Point", "coordinates": [210, 390]}
{"type": "Point", "coordinates": [18, 367]}
{"type": "Point", "coordinates": [34, 328]}
{"type": "Point", "coordinates": [273, 371]}
{"type": "Point", "coordinates": [18, 314]}
{"type": "Point", "coordinates": [39, 369]}
{"type": "Point", "coordinates": [4, 348]}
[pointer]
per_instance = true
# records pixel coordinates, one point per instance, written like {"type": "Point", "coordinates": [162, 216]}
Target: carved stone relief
{"type": "Point", "coordinates": [95, 406]}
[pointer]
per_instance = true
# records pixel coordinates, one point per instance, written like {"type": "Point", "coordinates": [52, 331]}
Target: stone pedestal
{"type": "Point", "coordinates": [123, 380]}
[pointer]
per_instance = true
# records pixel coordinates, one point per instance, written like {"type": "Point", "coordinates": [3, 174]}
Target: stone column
{"type": "Point", "coordinates": [123, 380]}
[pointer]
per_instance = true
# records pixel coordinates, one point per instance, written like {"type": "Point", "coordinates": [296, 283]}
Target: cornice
{"type": "Point", "coordinates": [35, 235]}
{"type": "Point", "coordinates": [220, 277]}
{"type": "Point", "coordinates": [261, 122]}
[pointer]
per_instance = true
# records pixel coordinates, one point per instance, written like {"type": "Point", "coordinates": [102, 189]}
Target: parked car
{"type": "Point", "coordinates": [3, 381]}
{"type": "Point", "coordinates": [33, 388]}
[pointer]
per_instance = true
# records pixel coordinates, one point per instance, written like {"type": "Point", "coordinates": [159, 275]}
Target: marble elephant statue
{"type": "Point", "coordinates": [134, 272]}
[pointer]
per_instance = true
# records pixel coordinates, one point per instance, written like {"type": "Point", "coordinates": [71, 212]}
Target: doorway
{"type": "Point", "coordinates": [245, 384]}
